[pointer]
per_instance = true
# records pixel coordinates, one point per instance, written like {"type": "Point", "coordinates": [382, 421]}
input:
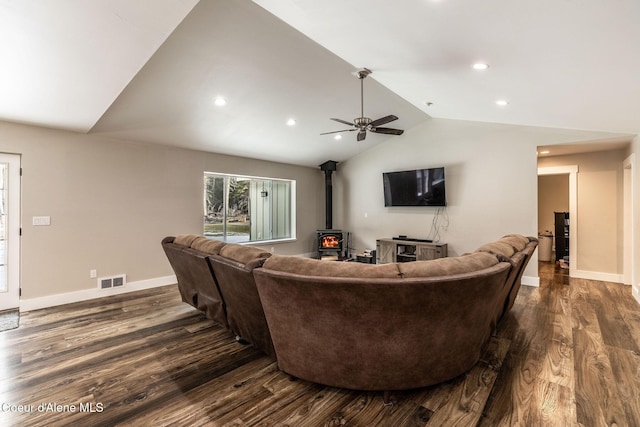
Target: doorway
{"type": "Point", "coordinates": [571, 172]}
{"type": "Point", "coordinates": [9, 231]}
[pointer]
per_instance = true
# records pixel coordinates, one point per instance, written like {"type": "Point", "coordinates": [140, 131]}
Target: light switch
{"type": "Point", "coordinates": [41, 220]}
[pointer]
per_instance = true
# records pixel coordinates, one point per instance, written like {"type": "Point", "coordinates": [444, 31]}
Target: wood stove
{"type": "Point", "coordinates": [330, 244]}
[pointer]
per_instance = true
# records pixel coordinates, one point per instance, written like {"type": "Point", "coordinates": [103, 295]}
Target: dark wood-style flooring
{"type": "Point", "coordinates": [566, 355]}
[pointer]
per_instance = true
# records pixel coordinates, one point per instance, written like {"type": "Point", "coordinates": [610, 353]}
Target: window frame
{"type": "Point", "coordinates": [292, 207]}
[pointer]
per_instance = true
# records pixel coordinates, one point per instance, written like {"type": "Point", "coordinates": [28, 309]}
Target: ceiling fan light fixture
{"type": "Point", "coordinates": [364, 124]}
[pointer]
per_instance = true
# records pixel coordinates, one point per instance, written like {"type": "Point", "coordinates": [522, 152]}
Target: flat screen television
{"type": "Point", "coordinates": [420, 187]}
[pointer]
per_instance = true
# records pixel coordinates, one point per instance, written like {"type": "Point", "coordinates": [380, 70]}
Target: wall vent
{"type": "Point", "coordinates": [112, 282]}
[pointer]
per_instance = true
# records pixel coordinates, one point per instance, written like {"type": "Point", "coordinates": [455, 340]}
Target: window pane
{"type": "Point", "coordinates": [260, 209]}
{"type": "Point", "coordinates": [238, 218]}
{"type": "Point", "coordinates": [214, 206]}
{"type": "Point", "coordinates": [281, 208]}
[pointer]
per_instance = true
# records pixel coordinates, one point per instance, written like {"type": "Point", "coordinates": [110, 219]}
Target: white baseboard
{"type": "Point", "coordinates": [596, 275]}
{"type": "Point", "coordinates": [530, 281]}
{"type": "Point", "coordinates": [29, 304]}
{"type": "Point", "coordinates": [635, 291]}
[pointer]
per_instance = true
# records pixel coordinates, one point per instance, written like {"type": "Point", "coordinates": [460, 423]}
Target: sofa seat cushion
{"type": "Point", "coordinates": [315, 267]}
{"type": "Point", "coordinates": [448, 266]}
{"type": "Point", "coordinates": [208, 246]}
{"type": "Point", "coordinates": [497, 248]}
{"type": "Point", "coordinates": [243, 254]}
{"type": "Point", "coordinates": [185, 239]}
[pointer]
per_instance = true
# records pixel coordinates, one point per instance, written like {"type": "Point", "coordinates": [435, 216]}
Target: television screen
{"type": "Point", "coordinates": [420, 187]}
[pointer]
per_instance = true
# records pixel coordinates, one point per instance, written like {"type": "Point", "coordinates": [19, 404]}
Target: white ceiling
{"type": "Point", "coordinates": [65, 61]}
{"type": "Point", "coordinates": [148, 70]}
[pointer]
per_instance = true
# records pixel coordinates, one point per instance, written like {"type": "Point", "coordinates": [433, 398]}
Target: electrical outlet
{"type": "Point", "coordinates": [93, 274]}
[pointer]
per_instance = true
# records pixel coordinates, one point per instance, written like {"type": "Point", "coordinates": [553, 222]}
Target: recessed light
{"type": "Point", "coordinates": [480, 66]}
{"type": "Point", "coordinates": [291, 122]}
{"type": "Point", "coordinates": [220, 101]}
{"type": "Point", "coordinates": [337, 137]}
{"type": "Point", "coordinates": [502, 102]}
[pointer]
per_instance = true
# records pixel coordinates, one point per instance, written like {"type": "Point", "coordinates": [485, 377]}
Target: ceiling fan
{"type": "Point", "coordinates": [363, 124]}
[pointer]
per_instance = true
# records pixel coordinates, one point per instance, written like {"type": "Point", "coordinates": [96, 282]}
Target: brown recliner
{"type": "Point", "coordinates": [196, 281]}
{"type": "Point", "coordinates": [517, 250]}
{"type": "Point", "coordinates": [528, 252]}
{"type": "Point", "coordinates": [234, 268]}
{"type": "Point", "coordinates": [386, 327]}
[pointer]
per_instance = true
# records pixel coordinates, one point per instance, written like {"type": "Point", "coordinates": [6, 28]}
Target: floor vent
{"type": "Point", "coordinates": [112, 282]}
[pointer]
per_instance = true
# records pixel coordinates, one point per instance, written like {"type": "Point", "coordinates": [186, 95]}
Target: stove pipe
{"type": "Point", "coordinates": [328, 168]}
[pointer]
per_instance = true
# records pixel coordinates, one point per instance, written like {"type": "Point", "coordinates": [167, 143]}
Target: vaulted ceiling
{"type": "Point", "coordinates": [150, 70]}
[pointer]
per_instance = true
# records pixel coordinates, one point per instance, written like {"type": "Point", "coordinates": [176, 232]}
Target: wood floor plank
{"type": "Point", "coordinates": [614, 328]}
{"type": "Point", "coordinates": [566, 355]}
{"type": "Point", "coordinates": [597, 399]}
{"type": "Point", "coordinates": [625, 366]}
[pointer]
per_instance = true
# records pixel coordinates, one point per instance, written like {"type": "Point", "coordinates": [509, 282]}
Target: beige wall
{"type": "Point", "coordinates": [491, 183]}
{"type": "Point", "coordinates": [112, 202]}
{"type": "Point", "coordinates": [553, 196]}
{"type": "Point", "coordinates": [600, 208]}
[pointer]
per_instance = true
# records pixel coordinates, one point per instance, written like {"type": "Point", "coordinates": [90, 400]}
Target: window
{"type": "Point", "coordinates": [241, 209]}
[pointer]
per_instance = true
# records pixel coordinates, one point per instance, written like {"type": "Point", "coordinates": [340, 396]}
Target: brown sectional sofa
{"type": "Point", "coordinates": [352, 325]}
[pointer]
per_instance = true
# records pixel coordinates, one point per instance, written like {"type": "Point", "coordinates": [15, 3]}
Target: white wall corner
{"type": "Point", "coordinates": [30, 304]}
{"type": "Point", "coordinates": [635, 291]}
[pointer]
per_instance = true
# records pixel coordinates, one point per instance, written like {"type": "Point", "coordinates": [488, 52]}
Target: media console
{"type": "Point", "coordinates": [406, 250]}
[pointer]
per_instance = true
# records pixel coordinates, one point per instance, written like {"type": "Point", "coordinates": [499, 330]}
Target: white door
{"type": "Point", "coordinates": [9, 231]}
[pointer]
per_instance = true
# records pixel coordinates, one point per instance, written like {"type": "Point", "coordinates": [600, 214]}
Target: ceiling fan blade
{"type": "Point", "coordinates": [338, 131]}
{"type": "Point", "coordinates": [383, 120]}
{"type": "Point", "coordinates": [343, 122]}
{"type": "Point", "coordinates": [388, 131]}
{"type": "Point", "coordinates": [362, 135]}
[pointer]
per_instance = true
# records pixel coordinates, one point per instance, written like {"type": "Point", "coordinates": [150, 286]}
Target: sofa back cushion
{"type": "Point", "coordinates": [314, 267]}
{"type": "Point", "coordinates": [242, 254]}
{"type": "Point", "coordinates": [497, 248]}
{"type": "Point", "coordinates": [208, 246]}
{"type": "Point", "coordinates": [185, 239]}
{"type": "Point", "coordinates": [448, 266]}
{"type": "Point", "coordinates": [517, 241]}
